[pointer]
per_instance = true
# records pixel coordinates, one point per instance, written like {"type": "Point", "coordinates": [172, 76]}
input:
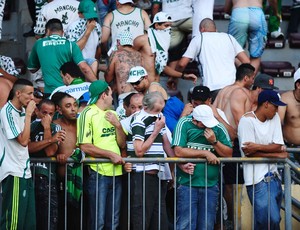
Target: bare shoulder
{"type": "Point", "coordinates": [287, 95]}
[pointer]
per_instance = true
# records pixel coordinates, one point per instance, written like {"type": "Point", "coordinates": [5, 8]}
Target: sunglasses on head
{"type": "Point", "coordinates": [38, 94]}
{"type": "Point", "coordinates": [138, 82]}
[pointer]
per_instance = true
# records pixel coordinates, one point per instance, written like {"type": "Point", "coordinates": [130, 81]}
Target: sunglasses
{"type": "Point", "coordinates": [38, 94]}
{"type": "Point", "coordinates": [138, 82]}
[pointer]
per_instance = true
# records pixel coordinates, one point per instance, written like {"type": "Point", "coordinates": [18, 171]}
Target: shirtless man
{"type": "Point", "coordinates": [248, 22]}
{"type": "Point", "coordinates": [235, 100]}
{"type": "Point", "coordinates": [8, 76]}
{"type": "Point", "coordinates": [120, 63]}
{"type": "Point", "coordinates": [67, 108]}
{"type": "Point", "coordinates": [290, 115]}
{"type": "Point", "coordinates": [154, 49]}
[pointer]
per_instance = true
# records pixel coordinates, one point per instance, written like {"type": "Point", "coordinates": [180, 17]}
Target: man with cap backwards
{"type": "Point", "coordinates": [260, 135]}
{"type": "Point", "coordinates": [290, 115]}
{"type": "Point", "coordinates": [154, 48]}
{"type": "Point", "coordinates": [199, 135]}
{"type": "Point", "coordinates": [100, 134]}
{"type": "Point", "coordinates": [86, 32]}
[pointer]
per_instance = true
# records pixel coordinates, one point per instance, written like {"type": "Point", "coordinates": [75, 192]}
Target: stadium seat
{"type": "Point", "coordinates": [294, 40]}
{"type": "Point", "coordinates": [277, 68]}
{"type": "Point", "coordinates": [277, 43]}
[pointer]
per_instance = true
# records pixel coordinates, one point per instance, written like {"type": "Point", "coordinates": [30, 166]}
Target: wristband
{"type": "Point", "coordinates": [182, 75]}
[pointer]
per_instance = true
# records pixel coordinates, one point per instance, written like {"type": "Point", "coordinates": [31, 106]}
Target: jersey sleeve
{"type": "Point", "coordinates": [179, 135]}
{"type": "Point", "coordinates": [138, 130]}
{"type": "Point", "coordinates": [10, 128]}
{"type": "Point", "coordinates": [76, 53]}
{"type": "Point", "coordinates": [85, 128]}
{"type": "Point", "coordinates": [33, 61]}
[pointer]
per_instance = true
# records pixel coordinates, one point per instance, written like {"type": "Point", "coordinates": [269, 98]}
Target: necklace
{"type": "Point", "coordinates": [294, 92]}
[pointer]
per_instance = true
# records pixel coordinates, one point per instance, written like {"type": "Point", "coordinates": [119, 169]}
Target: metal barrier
{"type": "Point", "coordinates": [286, 163]}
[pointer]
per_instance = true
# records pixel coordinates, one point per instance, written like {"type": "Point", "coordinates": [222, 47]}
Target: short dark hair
{"type": "Point", "coordinates": [244, 69]}
{"type": "Point", "coordinates": [59, 96]}
{"type": "Point", "coordinates": [54, 25]}
{"type": "Point", "coordinates": [18, 85]}
{"type": "Point", "coordinates": [298, 81]}
{"type": "Point", "coordinates": [71, 68]}
{"type": "Point", "coordinates": [45, 101]}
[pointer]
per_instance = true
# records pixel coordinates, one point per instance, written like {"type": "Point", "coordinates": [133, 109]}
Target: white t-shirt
{"type": "Point", "coordinates": [15, 157]}
{"type": "Point", "coordinates": [75, 32]}
{"type": "Point", "coordinates": [178, 10]}
{"type": "Point", "coordinates": [251, 129]}
{"type": "Point", "coordinates": [217, 57]}
{"type": "Point", "coordinates": [64, 10]}
{"type": "Point", "coordinates": [75, 91]}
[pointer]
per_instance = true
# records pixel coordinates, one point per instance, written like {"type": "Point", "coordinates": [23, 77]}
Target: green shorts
{"type": "Point", "coordinates": [18, 204]}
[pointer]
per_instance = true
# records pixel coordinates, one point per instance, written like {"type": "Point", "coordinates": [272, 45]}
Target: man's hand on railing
{"type": "Point", "coordinates": [187, 168]}
{"type": "Point", "coordinates": [116, 159]}
{"type": "Point", "coordinates": [128, 167]}
{"type": "Point", "coordinates": [212, 158]}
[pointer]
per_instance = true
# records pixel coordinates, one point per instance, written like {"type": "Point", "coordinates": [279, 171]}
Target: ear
{"type": "Point", "coordinates": [58, 109]}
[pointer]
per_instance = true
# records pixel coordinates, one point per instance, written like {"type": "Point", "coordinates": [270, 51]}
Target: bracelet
{"type": "Point", "coordinates": [182, 75]}
{"type": "Point", "coordinates": [215, 142]}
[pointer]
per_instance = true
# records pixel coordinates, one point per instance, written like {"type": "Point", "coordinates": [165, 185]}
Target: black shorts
{"type": "Point", "coordinates": [230, 172]}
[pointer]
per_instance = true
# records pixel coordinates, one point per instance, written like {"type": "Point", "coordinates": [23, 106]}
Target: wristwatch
{"type": "Point", "coordinates": [215, 142]}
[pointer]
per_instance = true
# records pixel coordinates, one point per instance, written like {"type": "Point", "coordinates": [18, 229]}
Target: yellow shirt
{"type": "Point", "coordinates": [93, 128]}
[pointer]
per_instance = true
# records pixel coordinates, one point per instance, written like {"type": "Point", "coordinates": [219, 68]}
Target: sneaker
{"type": "Point", "coordinates": [29, 34]}
{"type": "Point", "coordinates": [277, 34]}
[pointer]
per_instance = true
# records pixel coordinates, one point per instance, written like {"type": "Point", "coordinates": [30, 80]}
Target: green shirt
{"type": "Point", "coordinates": [50, 53]}
{"type": "Point", "coordinates": [188, 135]}
{"type": "Point", "coordinates": [93, 128]}
{"type": "Point", "coordinates": [37, 134]}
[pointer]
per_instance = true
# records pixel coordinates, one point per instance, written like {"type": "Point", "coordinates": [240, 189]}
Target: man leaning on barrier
{"type": "Point", "coordinates": [199, 135]}
{"type": "Point", "coordinates": [100, 134]}
{"type": "Point", "coordinates": [260, 135]}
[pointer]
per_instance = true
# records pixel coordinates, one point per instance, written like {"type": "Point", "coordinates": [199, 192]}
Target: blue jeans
{"type": "Point", "coordinates": [101, 212]}
{"type": "Point", "coordinates": [104, 9]}
{"type": "Point", "coordinates": [262, 207]}
{"type": "Point", "coordinates": [194, 213]}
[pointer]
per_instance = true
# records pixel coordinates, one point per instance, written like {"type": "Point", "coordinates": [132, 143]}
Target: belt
{"type": "Point", "coordinates": [269, 176]}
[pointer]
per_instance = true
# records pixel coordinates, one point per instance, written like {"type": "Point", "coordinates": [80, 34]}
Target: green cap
{"type": "Point", "coordinates": [88, 9]}
{"type": "Point", "coordinates": [95, 89]}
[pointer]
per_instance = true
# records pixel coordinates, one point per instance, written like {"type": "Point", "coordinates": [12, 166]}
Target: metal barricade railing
{"type": "Point", "coordinates": [287, 166]}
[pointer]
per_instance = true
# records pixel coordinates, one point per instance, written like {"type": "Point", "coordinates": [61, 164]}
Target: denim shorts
{"type": "Point", "coordinates": [249, 23]}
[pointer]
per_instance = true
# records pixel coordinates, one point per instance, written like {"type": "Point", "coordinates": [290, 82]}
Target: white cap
{"type": "Point", "coordinates": [297, 75]}
{"type": "Point", "coordinates": [125, 1]}
{"type": "Point", "coordinates": [205, 114]}
{"type": "Point", "coordinates": [161, 17]}
{"type": "Point", "coordinates": [136, 73]}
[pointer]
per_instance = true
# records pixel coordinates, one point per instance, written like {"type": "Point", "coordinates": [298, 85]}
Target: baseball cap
{"type": "Point", "coordinates": [297, 75]}
{"type": "Point", "coordinates": [95, 89]}
{"type": "Point", "coordinates": [270, 96]}
{"type": "Point", "coordinates": [161, 17]}
{"type": "Point", "coordinates": [205, 114]}
{"type": "Point", "coordinates": [88, 9]}
{"type": "Point", "coordinates": [136, 73]}
{"type": "Point", "coordinates": [125, 1]}
{"type": "Point", "coordinates": [125, 38]}
{"type": "Point", "coordinates": [201, 93]}
{"type": "Point", "coordinates": [264, 81]}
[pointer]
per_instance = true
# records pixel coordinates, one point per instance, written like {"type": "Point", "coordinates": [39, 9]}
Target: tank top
{"type": "Point", "coordinates": [133, 22]}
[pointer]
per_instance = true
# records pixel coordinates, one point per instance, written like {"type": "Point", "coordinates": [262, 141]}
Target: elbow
{"type": "Point", "coordinates": [178, 152]}
{"type": "Point", "coordinates": [139, 153]}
